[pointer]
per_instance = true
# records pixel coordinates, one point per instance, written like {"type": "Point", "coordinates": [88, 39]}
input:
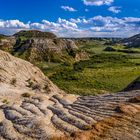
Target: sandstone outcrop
{"type": "Point", "coordinates": [7, 43]}
{"type": "Point", "coordinates": [35, 46]}
{"type": "Point", "coordinates": [43, 46]}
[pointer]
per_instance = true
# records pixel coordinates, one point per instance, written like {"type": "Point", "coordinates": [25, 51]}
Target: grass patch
{"type": "Point", "coordinates": [102, 73]}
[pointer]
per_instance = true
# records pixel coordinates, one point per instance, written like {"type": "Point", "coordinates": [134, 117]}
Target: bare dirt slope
{"type": "Point", "coordinates": [33, 108]}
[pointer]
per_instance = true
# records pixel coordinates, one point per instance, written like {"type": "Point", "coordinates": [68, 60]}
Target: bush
{"type": "Point", "coordinates": [36, 86]}
{"type": "Point", "coordinates": [13, 81]}
{"type": "Point", "coordinates": [87, 127]}
{"type": "Point", "coordinates": [30, 83]}
{"type": "Point", "coordinates": [109, 49]}
{"type": "Point", "coordinates": [5, 101]}
{"type": "Point", "coordinates": [26, 95]}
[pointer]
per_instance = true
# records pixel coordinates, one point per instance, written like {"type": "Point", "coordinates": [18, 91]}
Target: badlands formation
{"type": "Point", "coordinates": [33, 108]}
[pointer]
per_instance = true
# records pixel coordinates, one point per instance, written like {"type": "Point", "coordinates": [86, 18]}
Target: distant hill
{"type": "Point", "coordinates": [133, 41]}
{"type": "Point", "coordinates": [35, 33]}
{"type": "Point", "coordinates": [2, 36]}
{"type": "Point", "coordinates": [33, 45]}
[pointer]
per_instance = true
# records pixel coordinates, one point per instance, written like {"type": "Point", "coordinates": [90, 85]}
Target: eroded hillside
{"type": "Point", "coordinates": [33, 108]}
{"type": "Point", "coordinates": [133, 41]}
{"type": "Point", "coordinates": [36, 46]}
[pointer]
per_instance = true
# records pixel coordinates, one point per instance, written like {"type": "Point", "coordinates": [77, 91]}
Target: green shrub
{"type": "Point", "coordinates": [26, 95]}
{"type": "Point", "coordinates": [5, 101]}
{"type": "Point", "coordinates": [36, 87]}
{"type": "Point", "coordinates": [87, 127]}
{"type": "Point", "coordinates": [13, 81]}
{"type": "Point", "coordinates": [33, 85]}
{"type": "Point", "coordinates": [30, 83]}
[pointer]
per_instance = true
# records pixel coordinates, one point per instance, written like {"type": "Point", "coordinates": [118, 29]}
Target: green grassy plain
{"type": "Point", "coordinates": [103, 72]}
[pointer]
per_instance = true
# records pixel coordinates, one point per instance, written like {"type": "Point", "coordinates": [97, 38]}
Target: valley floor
{"type": "Point", "coordinates": [101, 73]}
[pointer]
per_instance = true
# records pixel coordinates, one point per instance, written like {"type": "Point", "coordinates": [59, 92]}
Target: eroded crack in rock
{"type": "Point", "coordinates": [35, 119]}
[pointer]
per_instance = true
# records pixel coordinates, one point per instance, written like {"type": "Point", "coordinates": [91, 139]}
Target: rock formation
{"type": "Point", "coordinates": [33, 108]}
{"type": "Point", "coordinates": [7, 43]}
{"type": "Point", "coordinates": [40, 48]}
{"type": "Point", "coordinates": [133, 41]}
{"type": "Point", "coordinates": [35, 46]}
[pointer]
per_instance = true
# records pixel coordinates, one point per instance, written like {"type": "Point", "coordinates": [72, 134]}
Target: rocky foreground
{"type": "Point", "coordinates": [33, 108]}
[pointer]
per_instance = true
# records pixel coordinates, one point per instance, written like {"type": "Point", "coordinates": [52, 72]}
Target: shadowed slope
{"type": "Point", "coordinates": [135, 85]}
{"type": "Point", "coordinates": [133, 41]}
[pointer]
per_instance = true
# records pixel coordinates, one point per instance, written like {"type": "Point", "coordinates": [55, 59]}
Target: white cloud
{"type": "Point", "coordinates": [97, 26]}
{"type": "Point", "coordinates": [67, 8]}
{"type": "Point", "coordinates": [13, 24]}
{"type": "Point", "coordinates": [115, 9]}
{"type": "Point", "coordinates": [86, 10]}
{"type": "Point", "coordinates": [67, 23]}
{"type": "Point", "coordinates": [98, 2]}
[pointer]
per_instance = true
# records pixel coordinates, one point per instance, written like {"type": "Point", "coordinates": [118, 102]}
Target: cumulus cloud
{"type": "Point", "coordinates": [13, 24]}
{"type": "Point", "coordinates": [114, 9]}
{"type": "Point", "coordinates": [98, 2]}
{"type": "Point", "coordinates": [97, 26]}
{"type": "Point", "coordinates": [86, 10]}
{"type": "Point", "coordinates": [67, 8]}
{"type": "Point", "coordinates": [67, 23]}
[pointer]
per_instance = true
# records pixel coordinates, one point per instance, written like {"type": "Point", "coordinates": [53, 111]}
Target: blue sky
{"type": "Point", "coordinates": [72, 18]}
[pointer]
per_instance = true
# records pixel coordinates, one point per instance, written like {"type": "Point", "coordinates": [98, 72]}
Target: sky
{"type": "Point", "coordinates": [72, 18]}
